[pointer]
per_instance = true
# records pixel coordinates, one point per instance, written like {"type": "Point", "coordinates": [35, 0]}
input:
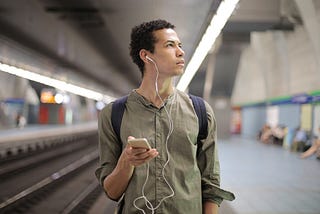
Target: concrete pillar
{"type": "Point", "coordinates": [282, 52]}
{"type": "Point", "coordinates": [259, 50]}
{"type": "Point", "coordinates": [222, 110]}
{"type": "Point", "coordinates": [310, 20]}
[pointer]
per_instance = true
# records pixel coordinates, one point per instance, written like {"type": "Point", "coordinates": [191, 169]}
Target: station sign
{"type": "Point", "coordinates": [301, 99]}
{"type": "Point", "coordinates": [316, 98]}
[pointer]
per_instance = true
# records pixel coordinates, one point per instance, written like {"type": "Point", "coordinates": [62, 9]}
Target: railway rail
{"type": "Point", "coordinates": [54, 180]}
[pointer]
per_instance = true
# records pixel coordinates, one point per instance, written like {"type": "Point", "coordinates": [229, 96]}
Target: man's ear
{"type": "Point", "coordinates": [143, 55]}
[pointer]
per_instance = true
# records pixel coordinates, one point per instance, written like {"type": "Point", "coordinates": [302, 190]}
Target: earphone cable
{"type": "Point", "coordinates": [147, 202]}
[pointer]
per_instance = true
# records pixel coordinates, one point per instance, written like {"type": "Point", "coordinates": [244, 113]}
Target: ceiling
{"type": "Point", "coordinates": [86, 42]}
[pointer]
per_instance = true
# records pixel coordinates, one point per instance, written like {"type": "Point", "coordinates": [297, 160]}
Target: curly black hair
{"type": "Point", "coordinates": [142, 38]}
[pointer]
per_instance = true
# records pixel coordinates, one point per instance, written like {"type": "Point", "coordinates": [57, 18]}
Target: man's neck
{"type": "Point", "coordinates": [148, 91]}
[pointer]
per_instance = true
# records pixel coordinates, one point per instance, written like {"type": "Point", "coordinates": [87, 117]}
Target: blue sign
{"type": "Point", "coordinates": [301, 98]}
{"type": "Point", "coordinates": [316, 98]}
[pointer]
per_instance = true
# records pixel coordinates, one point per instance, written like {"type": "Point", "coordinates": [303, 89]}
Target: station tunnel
{"type": "Point", "coordinates": [255, 63]}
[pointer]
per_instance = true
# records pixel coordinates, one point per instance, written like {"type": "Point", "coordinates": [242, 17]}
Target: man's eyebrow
{"type": "Point", "coordinates": [174, 41]}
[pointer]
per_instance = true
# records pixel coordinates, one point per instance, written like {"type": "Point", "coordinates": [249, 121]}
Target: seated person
{"type": "Point", "coordinates": [299, 140]}
{"type": "Point", "coordinates": [278, 134]}
{"type": "Point", "coordinates": [265, 134]}
{"type": "Point", "coordinates": [314, 148]}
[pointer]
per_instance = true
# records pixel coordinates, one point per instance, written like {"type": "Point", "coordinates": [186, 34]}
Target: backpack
{"type": "Point", "coordinates": [119, 106]}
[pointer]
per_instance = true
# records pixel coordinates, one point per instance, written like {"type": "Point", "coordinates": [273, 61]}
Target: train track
{"type": "Point", "coordinates": [60, 180]}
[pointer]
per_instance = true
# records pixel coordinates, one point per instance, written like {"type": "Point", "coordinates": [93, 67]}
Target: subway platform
{"type": "Point", "coordinates": [266, 179]}
{"type": "Point", "coordinates": [15, 140]}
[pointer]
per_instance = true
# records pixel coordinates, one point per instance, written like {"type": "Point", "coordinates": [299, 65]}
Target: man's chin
{"type": "Point", "coordinates": [180, 72]}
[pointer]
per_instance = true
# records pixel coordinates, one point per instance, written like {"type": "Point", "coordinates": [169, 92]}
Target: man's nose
{"type": "Point", "coordinates": [180, 51]}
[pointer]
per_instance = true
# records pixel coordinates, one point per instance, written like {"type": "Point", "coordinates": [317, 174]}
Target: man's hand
{"type": "Point", "coordinates": [116, 183]}
{"type": "Point", "coordinates": [138, 156]}
{"type": "Point", "coordinates": [210, 208]}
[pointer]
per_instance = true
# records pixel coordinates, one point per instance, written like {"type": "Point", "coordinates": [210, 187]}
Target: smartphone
{"type": "Point", "coordinates": [139, 143]}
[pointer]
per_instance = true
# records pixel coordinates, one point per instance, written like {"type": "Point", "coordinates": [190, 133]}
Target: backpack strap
{"type": "Point", "coordinates": [200, 108]}
{"type": "Point", "coordinates": [118, 108]}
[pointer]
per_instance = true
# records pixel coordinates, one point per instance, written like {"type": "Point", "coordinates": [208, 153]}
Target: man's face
{"type": "Point", "coordinates": [168, 53]}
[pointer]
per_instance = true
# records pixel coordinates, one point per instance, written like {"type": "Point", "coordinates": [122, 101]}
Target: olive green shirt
{"type": "Point", "coordinates": [194, 176]}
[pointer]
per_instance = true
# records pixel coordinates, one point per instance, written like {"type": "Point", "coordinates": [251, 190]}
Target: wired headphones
{"type": "Point", "coordinates": [148, 58]}
{"type": "Point", "coordinates": [147, 203]}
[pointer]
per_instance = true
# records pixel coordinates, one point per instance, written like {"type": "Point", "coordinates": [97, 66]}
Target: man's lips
{"type": "Point", "coordinates": [180, 62]}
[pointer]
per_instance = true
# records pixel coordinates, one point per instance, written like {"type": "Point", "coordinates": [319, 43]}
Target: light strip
{"type": "Point", "coordinates": [58, 84]}
{"type": "Point", "coordinates": [218, 21]}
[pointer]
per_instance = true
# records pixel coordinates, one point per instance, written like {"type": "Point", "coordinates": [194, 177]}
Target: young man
{"type": "Point", "coordinates": [176, 175]}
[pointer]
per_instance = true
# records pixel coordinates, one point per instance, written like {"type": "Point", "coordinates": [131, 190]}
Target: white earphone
{"type": "Point", "coordinates": [147, 57]}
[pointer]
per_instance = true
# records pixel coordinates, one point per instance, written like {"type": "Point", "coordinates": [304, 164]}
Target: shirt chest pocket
{"type": "Point", "coordinates": [187, 130]}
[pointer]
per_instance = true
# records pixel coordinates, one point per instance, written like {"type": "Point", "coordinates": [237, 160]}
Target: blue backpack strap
{"type": "Point", "coordinates": [118, 108]}
{"type": "Point", "coordinates": [200, 108]}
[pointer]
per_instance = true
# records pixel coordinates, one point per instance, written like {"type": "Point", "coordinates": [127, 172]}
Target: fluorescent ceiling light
{"type": "Point", "coordinates": [218, 21]}
{"type": "Point", "coordinates": [58, 84]}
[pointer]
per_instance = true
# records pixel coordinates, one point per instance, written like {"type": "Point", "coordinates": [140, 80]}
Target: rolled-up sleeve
{"type": "Point", "coordinates": [208, 163]}
{"type": "Point", "coordinates": [109, 147]}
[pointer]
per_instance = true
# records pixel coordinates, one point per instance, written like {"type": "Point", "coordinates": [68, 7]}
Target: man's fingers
{"type": "Point", "coordinates": [142, 158]}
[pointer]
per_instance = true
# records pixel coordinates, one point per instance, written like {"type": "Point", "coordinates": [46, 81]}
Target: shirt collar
{"type": "Point", "coordinates": [146, 102]}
